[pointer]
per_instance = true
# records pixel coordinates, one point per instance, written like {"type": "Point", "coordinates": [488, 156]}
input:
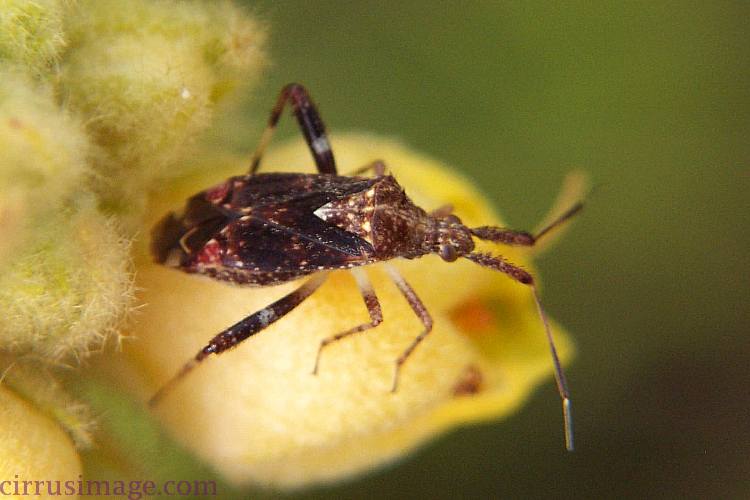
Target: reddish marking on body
{"type": "Point", "coordinates": [210, 253]}
{"type": "Point", "coordinates": [473, 318]}
{"type": "Point", "coordinates": [218, 193]}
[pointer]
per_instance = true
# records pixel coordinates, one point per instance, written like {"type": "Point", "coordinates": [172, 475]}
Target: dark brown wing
{"type": "Point", "coordinates": [303, 243]}
{"type": "Point", "coordinates": [285, 204]}
{"type": "Point", "coordinates": [276, 189]}
{"type": "Point", "coordinates": [272, 234]}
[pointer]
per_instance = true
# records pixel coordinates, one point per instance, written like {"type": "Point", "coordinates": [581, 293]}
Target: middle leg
{"type": "Point", "coordinates": [419, 309]}
{"type": "Point", "coordinates": [373, 308]}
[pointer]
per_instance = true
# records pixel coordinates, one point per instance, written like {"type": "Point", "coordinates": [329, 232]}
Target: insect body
{"type": "Point", "coordinates": [266, 229]}
{"type": "Point", "coordinates": [272, 228]}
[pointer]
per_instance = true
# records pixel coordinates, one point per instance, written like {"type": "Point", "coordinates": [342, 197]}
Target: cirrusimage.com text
{"type": "Point", "coordinates": [130, 489]}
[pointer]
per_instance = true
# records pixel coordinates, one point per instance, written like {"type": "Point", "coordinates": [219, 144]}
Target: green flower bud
{"type": "Point", "coordinates": [147, 78]}
{"type": "Point", "coordinates": [31, 34]}
{"type": "Point", "coordinates": [44, 153]}
{"type": "Point", "coordinates": [68, 287]}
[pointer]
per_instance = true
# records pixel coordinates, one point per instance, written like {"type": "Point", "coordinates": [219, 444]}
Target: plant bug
{"type": "Point", "coordinates": [264, 229]}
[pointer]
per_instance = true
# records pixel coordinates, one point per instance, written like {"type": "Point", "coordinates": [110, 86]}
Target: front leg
{"type": "Point", "coordinates": [240, 331]}
{"type": "Point", "coordinates": [309, 122]}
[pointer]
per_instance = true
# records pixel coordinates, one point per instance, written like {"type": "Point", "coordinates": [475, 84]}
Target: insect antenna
{"type": "Point", "coordinates": [568, 214]}
{"type": "Point", "coordinates": [522, 238]}
{"type": "Point", "coordinates": [523, 276]}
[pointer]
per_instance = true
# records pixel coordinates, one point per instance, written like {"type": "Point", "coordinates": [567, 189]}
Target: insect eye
{"type": "Point", "coordinates": [448, 253]}
{"type": "Point", "coordinates": [452, 219]}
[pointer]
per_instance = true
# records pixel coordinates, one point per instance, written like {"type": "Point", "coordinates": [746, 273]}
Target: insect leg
{"type": "Point", "coordinates": [241, 330]}
{"type": "Point", "coordinates": [309, 122]}
{"type": "Point", "coordinates": [419, 309]}
{"type": "Point", "coordinates": [522, 238]}
{"type": "Point", "coordinates": [442, 211]}
{"type": "Point", "coordinates": [523, 276]}
{"type": "Point", "coordinates": [373, 308]}
{"type": "Point", "coordinates": [377, 166]}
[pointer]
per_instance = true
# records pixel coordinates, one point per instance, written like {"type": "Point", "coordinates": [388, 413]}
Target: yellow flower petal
{"type": "Point", "coordinates": [32, 446]}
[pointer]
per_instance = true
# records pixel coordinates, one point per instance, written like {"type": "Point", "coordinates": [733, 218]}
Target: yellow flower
{"type": "Point", "coordinates": [258, 415]}
{"type": "Point", "coordinates": [33, 448]}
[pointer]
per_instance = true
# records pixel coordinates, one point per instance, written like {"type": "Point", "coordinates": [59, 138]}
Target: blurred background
{"type": "Point", "coordinates": [653, 100]}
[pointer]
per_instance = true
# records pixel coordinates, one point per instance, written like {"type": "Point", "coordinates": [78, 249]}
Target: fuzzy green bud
{"type": "Point", "coordinates": [68, 287]}
{"type": "Point", "coordinates": [44, 154]}
{"type": "Point", "coordinates": [31, 33]}
{"type": "Point", "coordinates": [147, 78]}
{"type": "Point", "coordinates": [64, 284]}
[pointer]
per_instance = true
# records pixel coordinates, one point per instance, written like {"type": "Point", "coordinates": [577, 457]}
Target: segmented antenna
{"type": "Point", "coordinates": [563, 218]}
{"type": "Point", "coordinates": [562, 384]}
{"type": "Point", "coordinates": [522, 238]}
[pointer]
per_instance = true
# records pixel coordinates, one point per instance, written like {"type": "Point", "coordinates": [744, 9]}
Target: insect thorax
{"type": "Point", "coordinates": [383, 216]}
